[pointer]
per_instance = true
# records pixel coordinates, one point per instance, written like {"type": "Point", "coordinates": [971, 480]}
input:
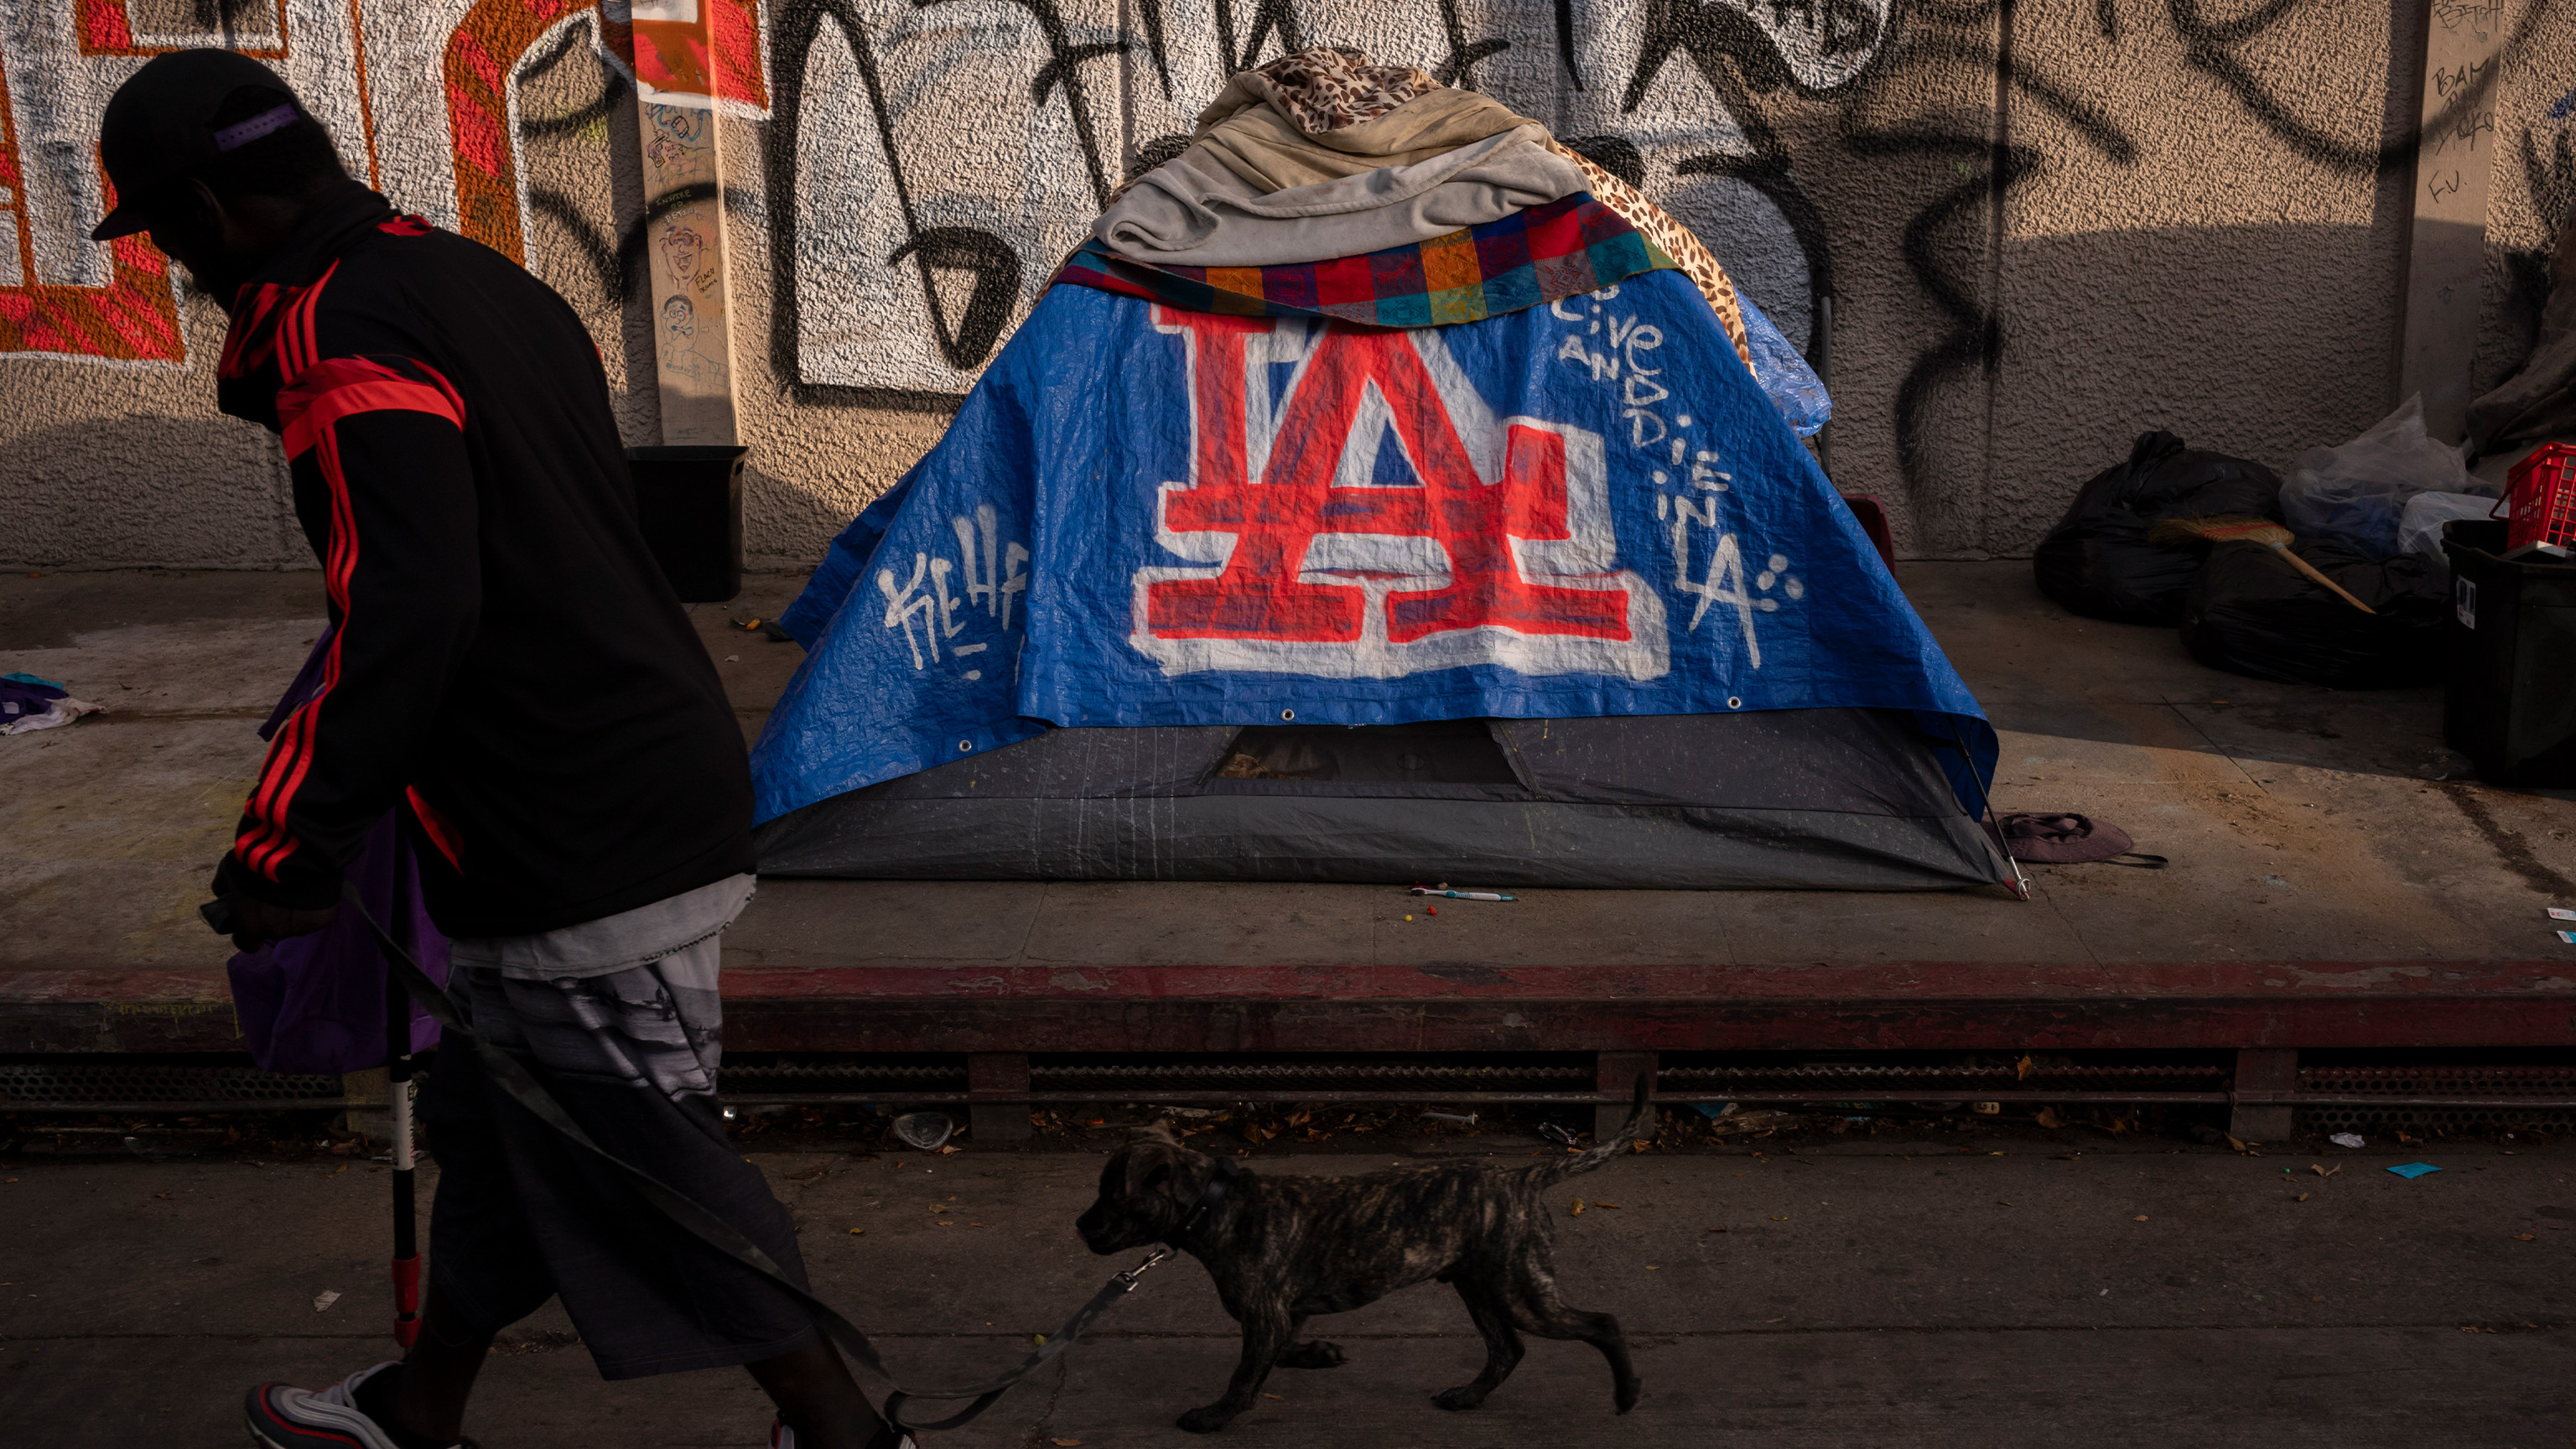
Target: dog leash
{"type": "Point", "coordinates": [514, 1078]}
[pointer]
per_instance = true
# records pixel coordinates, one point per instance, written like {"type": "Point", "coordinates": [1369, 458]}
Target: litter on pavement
{"type": "Point", "coordinates": [2413, 1170]}
{"type": "Point", "coordinates": [2561, 913]}
{"type": "Point", "coordinates": [31, 702]}
{"type": "Point", "coordinates": [925, 1130]}
{"type": "Point", "coordinates": [2346, 1139]}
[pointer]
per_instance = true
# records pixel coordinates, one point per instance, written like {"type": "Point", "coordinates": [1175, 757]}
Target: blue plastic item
{"type": "Point", "coordinates": [1782, 370]}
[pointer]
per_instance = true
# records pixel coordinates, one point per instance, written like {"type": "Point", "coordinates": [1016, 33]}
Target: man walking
{"type": "Point", "coordinates": [508, 669]}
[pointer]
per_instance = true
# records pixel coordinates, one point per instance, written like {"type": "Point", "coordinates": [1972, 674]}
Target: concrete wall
{"type": "Point", "coordinates": [2047, 224]}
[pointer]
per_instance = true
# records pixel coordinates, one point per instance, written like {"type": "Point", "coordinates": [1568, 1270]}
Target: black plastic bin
{"type": "Point", "coordinates": [689, 501]}
{"type": "Point", "coordinates": [2509, 701]}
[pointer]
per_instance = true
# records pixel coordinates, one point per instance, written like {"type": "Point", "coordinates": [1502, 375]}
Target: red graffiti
{"type": "Point", "coordinates": [487, 45]}
{"type": "Point", "coordinates": [1266, 590]}
{"type": "Point", "coordinates": [133, 318]}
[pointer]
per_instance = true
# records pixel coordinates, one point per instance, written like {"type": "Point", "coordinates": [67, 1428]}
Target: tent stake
{"type": "Point", "coordinates": [2020, 882]}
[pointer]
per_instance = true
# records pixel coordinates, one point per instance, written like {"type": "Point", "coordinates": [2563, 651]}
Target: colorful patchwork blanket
{"type": "Point", "coordinates": [1531, 258]}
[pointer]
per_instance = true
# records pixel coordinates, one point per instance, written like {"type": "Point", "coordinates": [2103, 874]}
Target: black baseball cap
{"type": "Point", "coordinates": [160, 126]}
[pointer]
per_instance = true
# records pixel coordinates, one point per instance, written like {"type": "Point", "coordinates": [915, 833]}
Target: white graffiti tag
{"type": "Point", "coordinates": [1001, 578]}
{"type": "Point", "coordinates": [1617, 351]}
{"type": "Point", "coordinates": [991, 574]}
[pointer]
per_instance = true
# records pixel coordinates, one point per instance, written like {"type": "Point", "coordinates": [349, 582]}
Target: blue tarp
{"type": "Point", "coordinates": [1149, 517]}
{"type": "Point", "coordinates": [1784, 374]}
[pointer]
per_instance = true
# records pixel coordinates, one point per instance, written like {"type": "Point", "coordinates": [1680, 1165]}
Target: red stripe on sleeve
{"type": "Point", "coordinates": [309, 410]}
{"type": "Point", "coordinates": [441, 833]}
{"type": "Point", "coordinates": [265, 846]}
{"type": "Point", "coordinates": [322, 394]}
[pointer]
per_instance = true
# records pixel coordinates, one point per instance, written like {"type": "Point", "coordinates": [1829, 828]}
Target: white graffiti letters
{"type": "Point", "coordinates": [1001, 578]}
{"type": "Point", "coordinates": [991, 573]}
{"type": "Point", "coordinates": [1618, 351]}
{"type": "Point", "coordinates": [905, 604]}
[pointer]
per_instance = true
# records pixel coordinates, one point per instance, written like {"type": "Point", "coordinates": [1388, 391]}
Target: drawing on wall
{"type": "Point", "coordinates": [688, 355]}
{"type": "Point", "coordinates": [679, 149]}
{"type": "Point", "coordinates": [685, 254]}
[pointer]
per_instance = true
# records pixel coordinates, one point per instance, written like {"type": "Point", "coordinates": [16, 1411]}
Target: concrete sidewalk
{"type": "Point", "coordinates": [2334, 880]}
{"type": "Point", "coordinates": [1921, 1289]}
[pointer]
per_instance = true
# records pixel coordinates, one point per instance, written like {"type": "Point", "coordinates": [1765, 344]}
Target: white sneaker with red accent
{"type": "Point", "coordinates": [283, 1416]}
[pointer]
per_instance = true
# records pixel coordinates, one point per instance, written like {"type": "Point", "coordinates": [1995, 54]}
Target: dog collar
{"type": "Point", "coordinates": [1210, 1197]}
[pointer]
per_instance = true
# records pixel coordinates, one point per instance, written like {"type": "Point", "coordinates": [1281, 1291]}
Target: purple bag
{"type": "Point", "coordinates": [317, 1003]}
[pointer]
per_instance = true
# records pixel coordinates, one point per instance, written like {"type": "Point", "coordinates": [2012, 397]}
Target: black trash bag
{"type": "Point", "coordinates": [2097, 560]}
{"type": "Point", "coordinates": [2249, 612]}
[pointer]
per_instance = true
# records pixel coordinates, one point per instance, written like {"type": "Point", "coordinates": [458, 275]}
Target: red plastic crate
{"type": "Point", "coordinates": [2543, 499]}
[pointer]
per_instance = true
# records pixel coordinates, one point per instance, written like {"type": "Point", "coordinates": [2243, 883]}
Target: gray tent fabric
{"type": "Point", "coordinates": [1849, 799]}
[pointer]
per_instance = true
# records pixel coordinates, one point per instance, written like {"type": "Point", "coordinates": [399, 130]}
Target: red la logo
{"type": "Point", "coordinates": [1491, 543]}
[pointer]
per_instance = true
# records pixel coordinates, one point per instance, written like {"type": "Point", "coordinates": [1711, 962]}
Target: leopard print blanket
{"type": "Point", "coordinates": [1326, 88]}
{"type": "Point", "coordinates": [1677, 240]}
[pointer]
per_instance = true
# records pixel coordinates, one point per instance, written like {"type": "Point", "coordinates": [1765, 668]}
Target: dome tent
{"type": "Point", "coordinates": [1554, 597]}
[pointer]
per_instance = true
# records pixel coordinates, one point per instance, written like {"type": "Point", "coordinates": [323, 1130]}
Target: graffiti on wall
{"type": "Point", "coordinates": [919, 166]}
{"type": "Point", "coordinates": [906, 243]}
{"type": "Point", "coordinates": [928, 160]}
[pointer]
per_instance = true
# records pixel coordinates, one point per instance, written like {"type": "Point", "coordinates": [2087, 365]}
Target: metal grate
{"type": "Point", "coordinates": [2458, 1119]}
{"type": "Point", "coordinates": [739, 1076]}
{"type": "Point", "coordinates": [2450, 1095]}
{"type": "Point", "coordinates": [112, 1084]}
{"type": "Point", "coordinates": [1289, 1073]}
{"type": "Point", "coordinates": [2440, 1081]}
{"type": "Point", "coordinates": [1856, 1074]}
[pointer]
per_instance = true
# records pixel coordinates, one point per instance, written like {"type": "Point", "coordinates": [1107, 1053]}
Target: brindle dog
{"type": "Point", "coordinates": [1284, 1248]}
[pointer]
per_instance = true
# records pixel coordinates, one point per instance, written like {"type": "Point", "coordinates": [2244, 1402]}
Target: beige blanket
{"type": "Point", "coordinates": [1255, 141]}
{"type": "Point", "coordinates": [1195, 211]}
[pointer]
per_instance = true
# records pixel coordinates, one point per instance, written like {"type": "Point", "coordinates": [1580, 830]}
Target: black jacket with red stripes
{"type": "Point", "coordinates": [508, 667]}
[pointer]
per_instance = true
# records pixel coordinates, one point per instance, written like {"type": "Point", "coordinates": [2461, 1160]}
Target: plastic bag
{"type": "Point", "coordinates": [2356, 494]}
{"type": "Point", "coordinates": [316, 1003]}
{"type": "Point", "coordinates": [2419, 528]}
{"type": "Point", "coordinates": [2098, 562]}
{"type": "Point", "coordinates": [2251, 613]}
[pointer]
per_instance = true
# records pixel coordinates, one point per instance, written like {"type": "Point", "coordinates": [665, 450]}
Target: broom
{"type": "Point", "coordinates": [2246, 530]}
